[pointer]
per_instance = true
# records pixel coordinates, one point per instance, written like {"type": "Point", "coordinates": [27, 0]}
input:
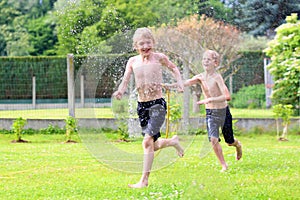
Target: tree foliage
{"type": "Point", "coordinates": [15, 20]}
{"type": "Point", "coordinates": [215, 9]}
{"type": "Point", "coordinates": [194, 34]}
{"type": "Point", "coordinates": [83, 26]}
{"type": "Point", "coordinates": [261, 17]}
{"type": "Point", "coordinates": [284, 51]}
{"type": "Point", "coordinates": [51, 27]}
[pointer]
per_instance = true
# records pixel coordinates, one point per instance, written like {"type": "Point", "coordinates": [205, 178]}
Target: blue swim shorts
{"type": "Point", "coordinates": [219, 118]}
{"type": "Point", "coordinates": [152, 116]}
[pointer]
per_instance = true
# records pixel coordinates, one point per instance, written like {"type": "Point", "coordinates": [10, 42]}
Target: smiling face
{"type": "Point", "coordinates": [143, 41]}
{"type": "Point", "coordinates": [144, 46]}
{"type": "Point", "coordinates": [210, 60]}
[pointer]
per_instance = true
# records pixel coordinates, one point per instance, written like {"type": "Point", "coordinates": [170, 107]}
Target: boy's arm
{"type": "Point", "coordinates": [192, 81]}
{"type": "Point", "coordinates": [223, 88]}
{"type": "Point", "coordinates": [125, 80]}
{"type": "Point", "coordinates": [227, 93]}
{"type": "Point", "coordinates": [175, 71]}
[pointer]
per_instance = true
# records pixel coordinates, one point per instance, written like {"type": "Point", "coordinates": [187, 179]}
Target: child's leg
{"type": "Point", "coordinates": [238, 145]}
{"type": "Point", "coordinates": [148, 146]}
{"type": "Point", "coordinates": [227, 131]}
{"type": "Point", "coordinates": [174, 142]}
{"type": "Point", "coordinates": [219, 152]}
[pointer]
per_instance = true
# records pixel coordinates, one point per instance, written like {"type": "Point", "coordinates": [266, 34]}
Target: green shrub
{"type": "Point", "coordinates": [250, 97]}
{"type": "Point", "coordinates": [71, 127]}
{"type": "Point", "coordinates": [18, 126]}
{"type": "Point", "coordinates": [52, 130]}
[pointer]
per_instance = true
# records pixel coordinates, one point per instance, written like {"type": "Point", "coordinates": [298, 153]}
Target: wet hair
{"type": "Point", "coordinates": [215, 55]}
{"type": "Point", "coordinates": [142, 33]}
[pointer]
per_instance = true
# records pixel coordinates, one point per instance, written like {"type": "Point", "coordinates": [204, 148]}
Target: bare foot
{"type": "Point", "coordinates": [138, 185]}
{"type": "Point", "coordinates": [177, 146]}
{"type": "Point", "coordinates": [224, 168]}
{"type": "Point", "coordinates": [238, 145]}
{"type": "Point", "coordinates": [239, 152]}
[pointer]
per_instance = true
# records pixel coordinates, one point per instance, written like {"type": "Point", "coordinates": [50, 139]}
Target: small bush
{"type": "Point", "coordinates": [71, 127]}
{"type": "Point", "coordinates": [250, 97]}
{"type": "Point", "coordinates": [18, 128]}
{"type": "Point", "coordinates": [50, 130]}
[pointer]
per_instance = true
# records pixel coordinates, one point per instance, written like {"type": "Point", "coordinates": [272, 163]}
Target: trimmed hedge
{"type": "Point", "coordinates": [106, 71]}
{"type": "Point", "coordinates": [251, 70]}
{"type": "Point", "coordinates": [51, 75]}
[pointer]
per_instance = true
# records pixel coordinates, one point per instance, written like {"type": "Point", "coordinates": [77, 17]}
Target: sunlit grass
{"type": "Point", "coordinates": [108, 113]}
{"type": "Point", "coordinates": [47, 168]}
{"type": "Point", "coordinates": [252, 113]}
{"type": "Point", "coordinates": [58, 113]}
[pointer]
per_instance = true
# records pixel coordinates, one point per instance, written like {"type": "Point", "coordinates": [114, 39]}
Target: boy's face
{"type": "Point", "coordinates": [208, 62]}
{"type": "Point", "coordinates": [144, 46]}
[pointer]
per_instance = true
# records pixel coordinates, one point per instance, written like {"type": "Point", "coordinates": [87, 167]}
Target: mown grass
{"type": "Point", "coordinates": [108, 113]}
{"type": "Point", "coordinates": [47, 168]}
{"type": "Point", "coordinates": [57, 113]}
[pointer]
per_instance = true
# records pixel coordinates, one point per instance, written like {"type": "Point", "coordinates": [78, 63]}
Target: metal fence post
{"type": "Point", "coordinates": [82, 90]}
{"type": "Point", "coordinates": [186, 99]}
{"type": "Point", "coordinates": [33, 92]}
{"type": "Point", "coordinates": [71, 89]}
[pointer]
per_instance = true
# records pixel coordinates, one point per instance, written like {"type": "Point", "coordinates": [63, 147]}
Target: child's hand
{"type": "Point", "coordinates": [204, 101]}
{"type": "Point", "coordinates": [169, 86]}
{"type": "Point", "coordinates": [118, 95]}
{"type": "Point", "coordinates": [180, 87]}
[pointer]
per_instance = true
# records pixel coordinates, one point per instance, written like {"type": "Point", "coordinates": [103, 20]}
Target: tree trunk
{"type": "Point", "coordinates": [196, 98]}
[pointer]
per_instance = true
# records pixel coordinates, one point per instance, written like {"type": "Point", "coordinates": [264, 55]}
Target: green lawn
{"type": "Point", "coordinates": [57, 113]}
{"type": "Point", "coordinates": [46, 168]}
{"type": "Point", "coordinates": [108, 113]}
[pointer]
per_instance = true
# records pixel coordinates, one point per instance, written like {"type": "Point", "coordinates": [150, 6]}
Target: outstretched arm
{"type": "Point", "coordinates": [192, 81]}
{"type": "Point", "coordinates": [175, 71]}
{"type": "Point", "coordinates": [125, 80]}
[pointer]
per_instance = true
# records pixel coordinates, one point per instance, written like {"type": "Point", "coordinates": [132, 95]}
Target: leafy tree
{"type": "Point", "coordinates": [251, 43]}
{"type": "Point", "coordinates": [15, 18]}
{"type": "Point", "coordinates": [195, 33]}
{"type": "Point", "coordinates": [84, 25]}
{"type": "Point", "coordinates": [284, 51]}
{"type": "Point", "coordinates": [72, 17]}
{"type": "Point", "coordinates": [215, 9]}
{"type": "Point", "coordinates": [192, 35]}
{"type": "Point", "coordinates": [261, 17]}
{"type": "Point", "coordinates": [170, 11]}
{"type": "Point", "coordinates": [41, 35]}
{"type": "Point", "coordinates": [2, 45]}
{"type": "Point", "coordinates": [17, 38]}
{"type": "Point", "coordinates": [8, 13]}
{"type": "Point", "coordinates": [284, 112]}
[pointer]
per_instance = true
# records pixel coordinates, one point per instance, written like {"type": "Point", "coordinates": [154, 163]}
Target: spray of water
{"type": "Point", "coordinates": [186, 53]}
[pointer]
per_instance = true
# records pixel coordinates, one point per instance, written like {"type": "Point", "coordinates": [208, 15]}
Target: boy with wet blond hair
{"type": "Point", "coordinates": [147, 70]}
{"type": "Point", "coordinates": [218, 115]}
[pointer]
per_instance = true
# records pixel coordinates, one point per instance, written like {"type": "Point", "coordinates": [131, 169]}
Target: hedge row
{"type": "Point", "coordinates": [51, 75]}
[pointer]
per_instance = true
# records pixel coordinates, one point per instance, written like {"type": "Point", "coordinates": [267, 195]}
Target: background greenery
{"type": "Point", "coordinates": [51, 73]}
{"type": "Point", "coordinates": [58, 27]}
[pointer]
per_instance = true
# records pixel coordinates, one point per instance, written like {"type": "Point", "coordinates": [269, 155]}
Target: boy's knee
{"type": "Point", "coordinates": [214, 140]}
{"type": "Point", "coordinates": [148, 141]}
{"type": "Point", "coordinates": [234, 143]}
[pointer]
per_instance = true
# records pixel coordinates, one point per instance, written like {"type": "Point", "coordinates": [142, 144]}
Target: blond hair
{"type": "Point", "coordinates": [142, 33]}
{"type": "Point", "coordinates": [215, 56]}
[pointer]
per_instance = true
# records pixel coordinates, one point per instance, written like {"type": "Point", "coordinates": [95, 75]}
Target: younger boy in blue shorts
{"type": "Point", "coordinates": [218, 115]}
